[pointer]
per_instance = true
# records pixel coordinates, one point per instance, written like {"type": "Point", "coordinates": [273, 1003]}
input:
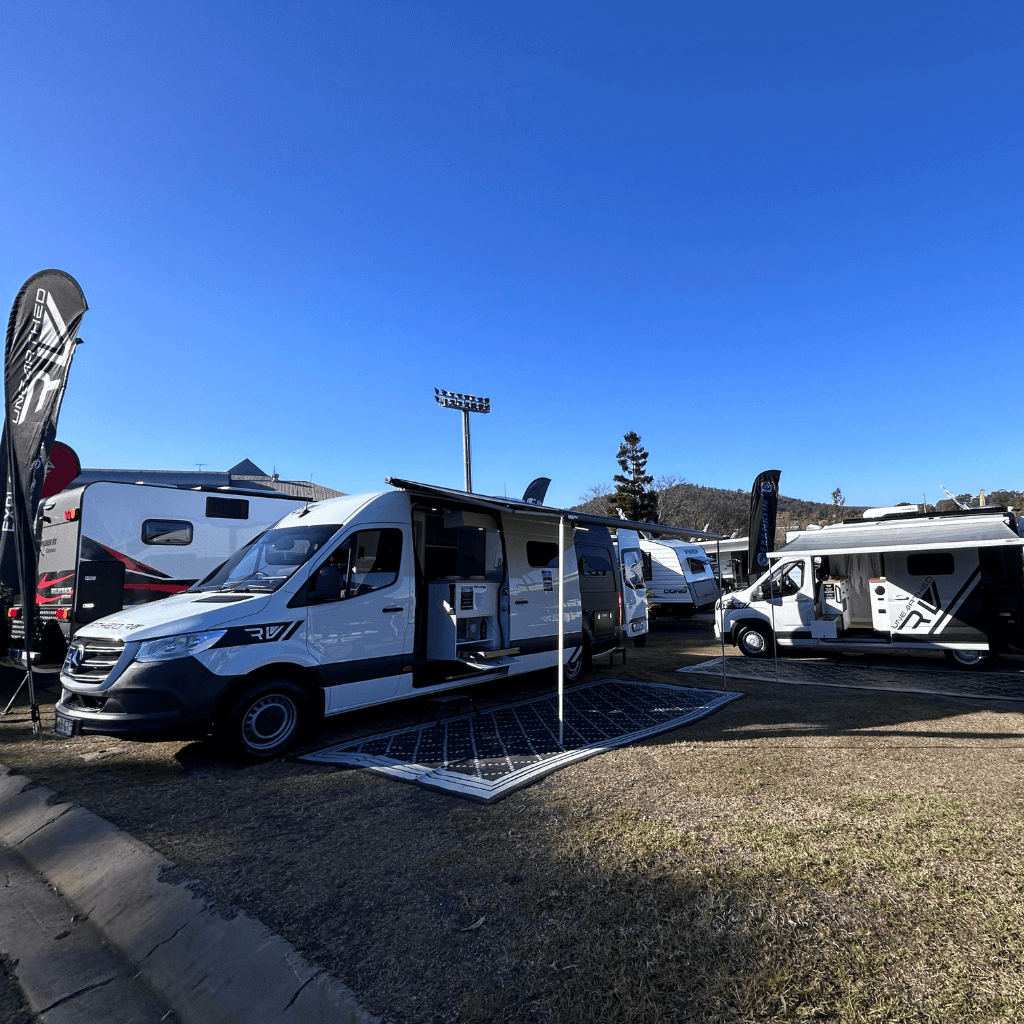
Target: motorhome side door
{"type": "Point", "coordinates": [360, 614]}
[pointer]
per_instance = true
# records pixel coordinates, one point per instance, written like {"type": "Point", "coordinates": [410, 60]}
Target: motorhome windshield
{"type": "Point", "coordinates": [270, 559]}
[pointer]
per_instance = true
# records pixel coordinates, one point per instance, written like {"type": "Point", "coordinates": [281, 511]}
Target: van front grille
{"type": "Point", "coordinates": [91, 660]}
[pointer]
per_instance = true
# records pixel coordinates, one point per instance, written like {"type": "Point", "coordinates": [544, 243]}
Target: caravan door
{"type": "Point", "coordinates": [359, 616]}
{"type": "Point", "coordinates": [634, 586]}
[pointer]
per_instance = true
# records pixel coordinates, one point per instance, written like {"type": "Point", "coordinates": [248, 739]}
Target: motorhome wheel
{"type": "Point", "coordinates": [967, 659]}
{"type": "Point", "coordinates": [266, 720]}
{"type": "Point", "coordinates": [754, 641]}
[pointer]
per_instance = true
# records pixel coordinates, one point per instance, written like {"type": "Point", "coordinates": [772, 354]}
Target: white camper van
{"type": "Point", "coordinates": [107, 546]}
{"type": "Point", "coordinates": [681, 579]}
{"type": "Point", "coordinates": [948, 582]}
{"type": "Point", "coordinates": [350, 602]}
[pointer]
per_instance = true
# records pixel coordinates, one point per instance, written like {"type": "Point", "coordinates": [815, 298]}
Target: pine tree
{"type": "Point", "coordinates": [633, 491]}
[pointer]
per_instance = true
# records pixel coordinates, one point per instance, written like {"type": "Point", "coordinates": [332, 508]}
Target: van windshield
{"type": "Point", "coordinates": [269, 560]}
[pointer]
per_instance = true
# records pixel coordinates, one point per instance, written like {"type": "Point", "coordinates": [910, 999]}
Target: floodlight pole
{"type": "Point", "coordinates": [465, 404]}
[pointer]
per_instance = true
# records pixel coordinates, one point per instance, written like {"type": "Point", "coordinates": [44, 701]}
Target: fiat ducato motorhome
{"type": "Point", "coordinates": [945, 582]}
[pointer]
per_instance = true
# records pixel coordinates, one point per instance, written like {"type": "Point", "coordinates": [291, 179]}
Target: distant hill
{"type": "Point", "coordinates": [719, 510]}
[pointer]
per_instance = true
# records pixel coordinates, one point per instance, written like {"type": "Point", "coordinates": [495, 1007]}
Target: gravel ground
{"type": "Point", "coordinates": [436, 910]}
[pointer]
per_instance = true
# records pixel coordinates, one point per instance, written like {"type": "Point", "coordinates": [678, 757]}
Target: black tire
{"type": "Point", "coordinates": [578, 664]}
{"type": "Point", "coordinates": [265, 721]}
{"type": "Point", "coordinates": [640, 641]}
{"type": "Point", "coordinates": [755, 641]}
{"type": "Point", "coordinates": [969, 661]}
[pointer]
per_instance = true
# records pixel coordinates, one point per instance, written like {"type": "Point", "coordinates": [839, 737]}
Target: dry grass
{"type": "Point", "coordinates": [805, 854]}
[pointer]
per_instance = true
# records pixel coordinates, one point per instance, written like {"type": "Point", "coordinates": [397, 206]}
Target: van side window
{"type": "Point", "coordinates": [167, 531]}
{"type": "Point", "coordinates": [594, 563]}
{"type": "Point", "coordinates": [541, 555]}
{"type": "Point", "coordinates": [930, 563]}
{"type": "Point", "coordinates": [368, 560]}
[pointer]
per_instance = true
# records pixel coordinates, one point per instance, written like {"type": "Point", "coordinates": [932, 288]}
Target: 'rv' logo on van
{"type": "Point", "coordinates": [242, 636]}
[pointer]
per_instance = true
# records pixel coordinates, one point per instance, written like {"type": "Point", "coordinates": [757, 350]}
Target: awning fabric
{"type": "Point", "coordinates": [934, 534]}
{"type": "Point", "coordinates": [521, 507]}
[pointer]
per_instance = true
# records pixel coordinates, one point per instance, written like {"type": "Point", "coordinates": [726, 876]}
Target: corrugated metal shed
{"type": "Point", "coordinates": [915, 535]}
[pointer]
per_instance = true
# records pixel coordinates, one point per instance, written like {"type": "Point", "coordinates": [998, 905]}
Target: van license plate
{"type": "Point", "coordinates": [64, 726]}
{"type": "Point", "coordinates": [636, 626]}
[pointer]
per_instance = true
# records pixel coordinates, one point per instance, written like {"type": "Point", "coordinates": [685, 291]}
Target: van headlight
{"type": "Point", "coordinates": [170, 647]}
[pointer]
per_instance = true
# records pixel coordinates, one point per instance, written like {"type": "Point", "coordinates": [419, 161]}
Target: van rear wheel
{"type": "Point", "coordinates": [640, 641]}
{"type": "Point", "coordinates": [578, 664]}
{"type": "Point", "coordinates": [265, 721]}
{"type": "Point", "coordinates": [755, 641]}
{"type": "Point", "coordinates": [970, 660]}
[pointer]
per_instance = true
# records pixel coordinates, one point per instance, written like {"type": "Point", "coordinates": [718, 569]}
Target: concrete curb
{"type": "Point", "coordinates": [209, 968]}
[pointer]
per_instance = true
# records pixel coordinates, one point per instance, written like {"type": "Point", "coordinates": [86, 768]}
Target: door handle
{"type": "Point", "coordinates": [522, 602]}
{"type": "Point", "coordinates": [386, 610]}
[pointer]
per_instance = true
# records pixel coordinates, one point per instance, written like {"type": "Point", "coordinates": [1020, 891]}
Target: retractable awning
{"type": "Point", "coordinates": [886, 535]}
{"type": "Point", "coordinates": [519, 506]}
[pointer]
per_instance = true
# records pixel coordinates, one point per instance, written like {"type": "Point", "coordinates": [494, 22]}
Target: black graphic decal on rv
{"type": "Point", "coordinates": [243, 636]}
{"type": "Point", "coordinates": [927, 596]}
{"type": "Point", "coordinates": [954, 606]}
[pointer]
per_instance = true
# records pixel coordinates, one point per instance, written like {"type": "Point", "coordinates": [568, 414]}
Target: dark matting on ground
{"type": "Point", "coordinates": [940, 681]}
{"type": "Point", "coordinates": [487, 755]}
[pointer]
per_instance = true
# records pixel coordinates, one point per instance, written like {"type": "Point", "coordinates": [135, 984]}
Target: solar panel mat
{"type": "Point", "coordinates": [487, 755]}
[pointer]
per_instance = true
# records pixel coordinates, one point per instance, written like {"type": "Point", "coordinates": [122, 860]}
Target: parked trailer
{"type": "Point", "coordinates": [949, 582]}
{"type": "Point", "coordinates": [109, 546]}
{"type": "Point", "coordinates": [350, 602]}
{"type": "Point", "coordinates": [681, 578]}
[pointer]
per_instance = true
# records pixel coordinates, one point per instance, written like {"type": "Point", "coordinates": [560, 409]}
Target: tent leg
{"type": "Point", "coordinates": [561, 630]}
{"type": "Point", "coordinates": [10, 703]}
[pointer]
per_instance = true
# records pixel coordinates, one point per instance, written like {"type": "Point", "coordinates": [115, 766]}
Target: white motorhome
{"type": "Point", "coordinates": [346, 603]}
{"type": "Point", "coordinates": [949, 582]}
{"type": "Point", "coordinates": [681, 579]}
{"type": "Point", "coordinates": [107, 546]}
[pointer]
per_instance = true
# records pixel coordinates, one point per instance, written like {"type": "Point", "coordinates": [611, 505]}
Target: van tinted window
{"type": "Point", "coordinates": [930, 563]}
{"type": "Point", "coordinates": [541, 555]}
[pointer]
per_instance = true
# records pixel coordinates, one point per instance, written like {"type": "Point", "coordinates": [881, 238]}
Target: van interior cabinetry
{"type": "Point", "coordinates": [462, 618]}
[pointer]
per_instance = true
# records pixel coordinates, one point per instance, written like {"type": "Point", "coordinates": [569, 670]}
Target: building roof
{"type": "Point", "coordinates": [246, 475]}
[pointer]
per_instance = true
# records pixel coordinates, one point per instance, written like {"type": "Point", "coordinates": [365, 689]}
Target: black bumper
{"type": "Point", "coordinates": [171, 698]}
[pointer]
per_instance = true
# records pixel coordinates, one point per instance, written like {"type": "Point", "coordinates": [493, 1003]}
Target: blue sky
{"type": "Point", "coordinates": [762, 236]}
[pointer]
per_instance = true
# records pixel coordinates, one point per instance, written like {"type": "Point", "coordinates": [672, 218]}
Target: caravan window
{"type": "Point", "coordinates": [931, 563]}
{"type": "Point", "coordinates": [227, 508]}
{"type": "Point", "coordinates": [166, 531]}
{"type": "Point", "coordinates": [697, 567]}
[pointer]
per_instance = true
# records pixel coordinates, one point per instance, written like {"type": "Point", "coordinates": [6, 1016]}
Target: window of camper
{"type": "Point", "coordinates": [697, 567]}
{"type": "Point", "coordinates": [785, 581]}
{"type": "Point", "coordinates": [368, 560]}
{"type": "Point", "coordinates": [175, 532]}
{"type": "Point", "coordinates": [930, 563]}
{"type": "Point", "coordinates": [595, 563]}
{"type": "Point", "coordinates": [227, 508]}
{"type": "Point", "coordinates": [633, 568]}
{"type": "Point", "coordinates": [648, 566]}
{"type": "Point", "coordinates": [541, 555]}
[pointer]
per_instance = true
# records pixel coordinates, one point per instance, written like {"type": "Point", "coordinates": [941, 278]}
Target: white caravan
{"type": "Point", "coordinates": [107, 546]}
{"type": "Point", "coordinates": [681, 580]}
{"type": "Point", "coordinates": [350, 602]}
{"type": "Point", "coordinates": [948, 582]}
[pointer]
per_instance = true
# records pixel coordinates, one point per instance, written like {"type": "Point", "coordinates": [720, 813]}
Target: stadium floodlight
{"type": "Point", "coordinates": [465, 404]}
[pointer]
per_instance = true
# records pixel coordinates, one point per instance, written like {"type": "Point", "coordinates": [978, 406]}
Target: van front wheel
{"type": "Point", "coordinates": [265, 721]}
{"type": "Point", "coordinates": [754, 642]}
